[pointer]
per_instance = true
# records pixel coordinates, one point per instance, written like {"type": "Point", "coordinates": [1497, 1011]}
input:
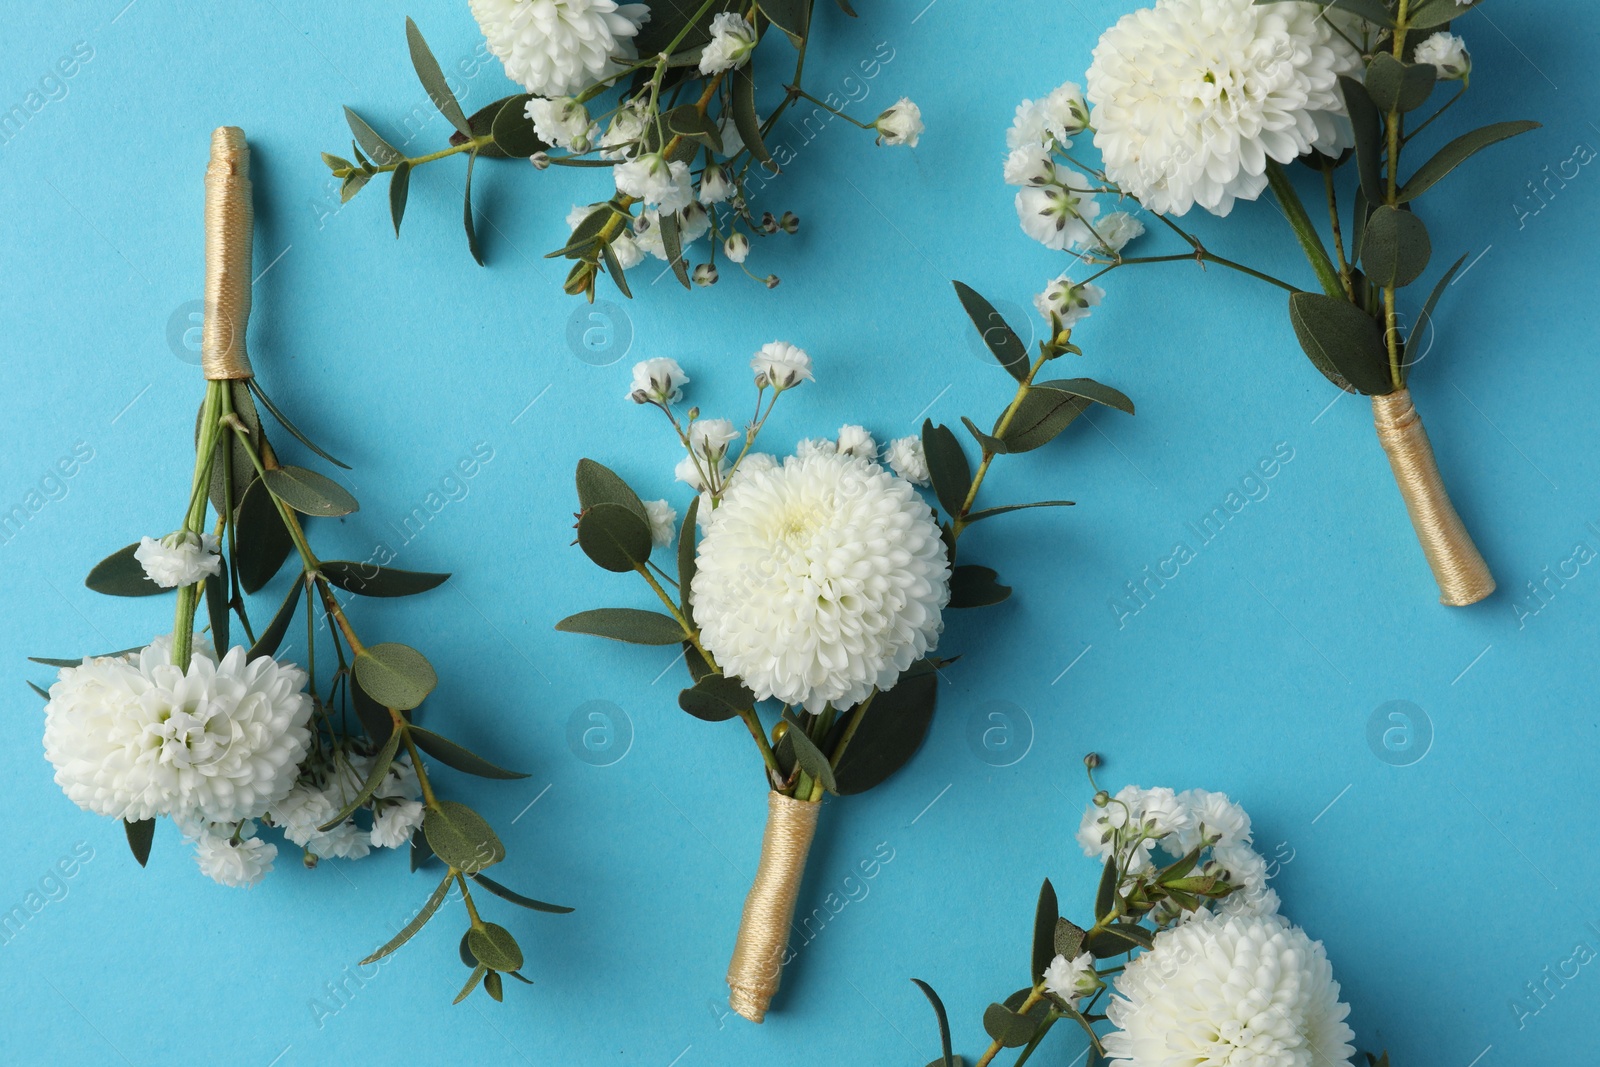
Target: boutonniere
{"type": "Point", "coordinates": [233, 742]}
{"type": "Point", "coordinates": [663, 97]}
{"type": "Point", "coordinates": [809, 593]}
{"type": "Point", "coordinates": [1205, 103]}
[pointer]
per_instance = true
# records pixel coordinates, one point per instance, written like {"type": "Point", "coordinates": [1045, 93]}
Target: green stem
{"type": "Point", "coordinates": [795, 90]}
{"type": "Point", "coordinates": [1310, 242]}
{"type": "Point", "coordinates": [1338, 232]}
{"type": "Point", "coordinates": [850, 729]}
{"type": "Point", "coordinates": [1206, 256]}
{"type": "Point", "coordinates": [194, 519]}
{"type": "Point", "coordinates": [1394, 122]}
{"type": "Point", "coordinates": [958, 522]}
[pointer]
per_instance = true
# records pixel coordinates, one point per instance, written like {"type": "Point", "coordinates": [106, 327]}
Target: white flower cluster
{"type": "Point", "coordinates": [560, 47]}
{"type": "Point", "coordinates": [179, 558]}
{"type": "Point", "coordinates": [900, 124]}
{"type": "Point", "coordinates": [328, 787]}
{"type": "Point", "coordinates": [733, 38]}
{"type": "Point", "coordinates": [1447, 53]}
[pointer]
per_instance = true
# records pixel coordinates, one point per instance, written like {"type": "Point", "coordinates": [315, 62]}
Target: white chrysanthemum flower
{"type": "Point", "coordinates": [757, 462]}
{"type": "Point", "coordinates": [624, 132]}
{"type": "Point", "coordinates": [562, 121]}
{"type": "Point", "coordinates": [559, 47]}
{"type": "Point", "coordinates": [656, 180]}
{"type": "Point", "coordinates": [1031, 164]}
{"type": "Point", "coordinates": [1058, 215]}
{"type": "Point", "coordinates": [820, 580]}
{"type": "Point", "coordinates": [900, 124]}
{"type": "Point", "coordinates": [736, 247]}
{"type": "Point", "coordinates": [907, 459]}
{"type": "Point", "coordinates": [135, 737]}
{"type": "Point", "coordinates": [856, 441]}
{"type": "Point", "coordinates": [657, 381]}
{"type": "Point", "coordinates": [715, 187]}
{"type": "Point", "coordinates": [781, 365]}
{"type": "Point", "coordinates": [1067, 303]}
{"type": "Point", "coordinates": [1230, 991]}
{"type": "Point", "coordinates": [733, 38]}
{"type": "Point", "coordinates": [1192, 98]}
{"type": "Point", "coordinates": [663, 521]}
{"type": "Point", "coordinates": [179, 558]}
{"type": "Point", "coordinates": [1071, 979]}
{"type": "Point", "coordinates": [1116, 230]}
{"type": "Point", "coordinates": [1447, 53]}
{"type": "Point", "coordinates": [710, 438]}
{"type": "Point", "coordinates": [240, 862]}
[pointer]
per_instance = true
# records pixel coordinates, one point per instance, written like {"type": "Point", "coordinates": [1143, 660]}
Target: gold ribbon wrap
{"type": "Point", "coordinates": [1458, 567]}
{"type": "Point", "coordinates": [230, 218]}
{"type": "Point", "coordinates": [757, 963]}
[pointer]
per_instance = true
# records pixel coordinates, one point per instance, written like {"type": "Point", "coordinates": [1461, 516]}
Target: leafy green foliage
{"type": "Point", "coordinates": [261, 541]}
{"type": "Point", "coordinates": [892, 730]}
{"type": "Point", "coordinates": [380, 770]}
{"type": "Point", "coordinates": [460, 836]}
{"type": "Point", "coordinates": [310, 493]}
{"type": "Point", "coordinates": [947, 1058]}
{"type": "Point", "coordinates": [1343, 342]}
{"type": "Point", "coordinates": [717, 698]}
{"type": "Point", "coordinates": [625, 624]}
{"type": "Point", "coordinates": [1368, 126]}
{"type": "Point", "coordinates": [495, 948]}
{"type": "Point", "coordinates": [947, 466]}
{"type": "Point", "coordinates": [1457, 152]}
{"type": "Point", "coordinates": [268, 640]}
{"type": "Point", "coordinates": [805, 754]}
{"type": "Point", "coordinates": [462, 759]}
{"type": "Point", "coordinates": [432, 79]}
{"type": "Point", "coordinates": [119, 574]}
{"type": "Point", "coordinates": [396, 675]}
{"type": "Point", "coordinates": [367, 579]}
{"type": "Point", "coordinates": [1045, 917]}
{"type": "Point", "coordinates": [1001, 340]}
{"type": "Point", "coordinates": [399, 190]}
{"type": "Point", "coordinates": [972, 586]}
{"type": "Point", "coordinates": [1397, 249]}
{"type": "Point", "coordinates": [598, 484]}
{"type": "Point", "coordinates": [614, 537]}
{"type": "Point", "coordinates": [517, 898]}
{"type": "Point", "coordinates": [418, 921]}
{"type": "Point", "coordinates": [141, 834]}
{"type": "Point", "coordinates": [1395, 85]}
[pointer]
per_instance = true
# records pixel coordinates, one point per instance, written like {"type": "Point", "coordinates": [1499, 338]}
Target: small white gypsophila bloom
{"type": "Point", "coordinates": [907, 459]}
{"type": "Point", "coordinates": [710, 438]}
{"type": "Point", "coordinates": [624, 132]}
{"type": "Point", "coordinates": [1051, 122]}
{"type": "Point", "coordinates": [733, 38]}
{"type": "Point", "coordinates": [693, 223]}
{"type": "Point", "coordinates": [1224, 990]}
{"type": "Point", "coordinates": [562, 121]}
{"type": "Point", "coordinates": [1134, 814]}
{"type": "Point", "coordinates": [715, 187]}
{"type": "Point", "coordinates": [1447, 54]}
{"type": "Point", "coordinates": [736, 247]}
{"type": "Point", "coordinates": [179, 558]}
{"type": "Point", "coordinates": [1072, 979]}
{"type": "Point", "coordinates": [558, 47]}
{"type": "Point", "coordinates": [657, 381]}
{"type": "Point", "coordinates": [815, 446]}
{"type": "Point", "coordinates": [238, 862]}
{"type": "Point", "coordinates": [1213, 820]}
{"type": "Point", "coordinates": [627, 251]}
{"type": "Point", "coordinates": [781, 365]}
{"type": "Point", "coordinates": [692, 472]}
{"type": "Point", "coordinates": [663, 521]}
{"type": "Point", "coordinates": [656, 180]}
{"type": "Point", "coordinates": [1031, 164]}
{"type": "Point", "coordinates": [136, 736]}
{"type": "Point", "coordinates": [1067, 303]}
{"type": "Point", "coordinates": [820, 580]}
{"type": "Point", "coordinates": [1058, 215]}
{"type": "Point", "coordinates": [900, 124]}
{"type": "Point", "coordinates": [319, 795]}
{"type": "Point", "coordinates": [394, 821]}
{"type": "Point", "coordinates": [856, 441]}
{"type": "Point", "coordinates": [1116, 230]}
{"type": "Point", "coordinates": [1193, 98]}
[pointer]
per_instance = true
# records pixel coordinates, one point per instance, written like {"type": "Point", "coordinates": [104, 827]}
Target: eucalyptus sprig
{"type": "Point", "coordinates": [688, 101]}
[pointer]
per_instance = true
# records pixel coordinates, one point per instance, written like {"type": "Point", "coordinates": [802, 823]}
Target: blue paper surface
{"type": "Point", "coordinates": [1448, 871]}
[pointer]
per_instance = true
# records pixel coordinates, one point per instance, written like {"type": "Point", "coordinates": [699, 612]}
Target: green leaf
{"type": "Point", "coordinates": [1396, 250]}
{"type": "Point", "coordinates": [1001, 340]}
{"type": "Point", "coordinates": [947, 466]}
{"type": "Point", "coordinates": [493, 986]}
{"type": "Point", "coordinates": [808, 755]}
{"type": "Point", "coordinates": [460, 836]}
{"type": "Point", "coordinates": [1045, 917]}
{"type": "Point", "coordinates": [1007, 1027]}
{"type": "Point", "coordinates": [985, 441]}
{"type": "Point", "coordinates": [614, 268]}
{"type": "Point", "coordinates": [586, 234]}
{"type": "Point", "coordinates": [367, 579]}
{"type": "Point", "coordinates": [793, 17]}
{"type": "Point", "coordinates": [451, 754]}
{"type": "Point", "coordinates": [495, 947]}
{"type": "Point", "coordinates": [268, 640]}
{"type": "Point", "coordinates": [598, 484]}
{"type": "Point", "coordinates": [1457, 152]}
{"type": "Point", "coordinates": [1068, 940]}
{"type": "Point", "coordinates": [989, 513]}
{"type": "Point", "coordinates": [1368, 125]}
{"type": "Point", "coordinates": [513, 130]}
{"type": "Point", "coordinates": [1089, 389]}
{"type": "Point", "coordinates": [614, 537]}
{"type": "Point", "coordinates": [283, 420]}
{"type": "Point", "coordinates": [1427, 14]}
{"type": "Point", "coordinates": [892, 730]}
{"type": "Point", "coordinates": [947, 1058]}
{"type": "Point", "coordinates": [141, 834]}
{"type": "Point", "coordinates": [478, 974]}
{"type": "Point", "coordinates": [376, 719]}
{"type": "Point", "coordinates": [466, 213]}
{"type": "Point", "coordinates": [119, 574]}
{"type": "Point", "coordinates": [517, 898]}
{"type": "Point", "coordinates": [1395, 85]}
{"type": "Point", "coordinates": [217, 608]}
{"type": "Point", "coordinates": [417, 922]}
{"type": "Point", "coordinates": [43, 693]}
{"type": "Point", "coordinates": [310, 493]}
{"type": "Point", "coordinates": [972, 586]}
{"type": "Point", "coordinates": [689, 121]}
{"type": "Point", "coordinates": [717, 698]}
{"type": "Point", "coordinates": [632, 625]}
{"type": "Point", "coordinates": [395, 675]}
{"type": "Point", "coordinates": [1114, 940]}
{"type": "Point", "coordinates": [233, 459]}
{"type": "Point", "coordinates": [1106, 895]}
{"type": "Point", "coordinates": [432, 79]}
{"type": "Point", "coordinates": [672, 245]}
{"type": "Point", "coordinates": [381, 151]}
{"type": "Point", "coordinates": [380, 770]}
{"type": "Point", "coordinates": [399, 189]}
{"type": "Point", "coordinates": [1041, 417]}
{"type": "Point", "coordinates": [1344, 342]}
{"type": "Point", "coordinates": [686, 559]}
{"type": "Point", "coordinates": [1410, 355]}
{"type": "Point", "coordinates": [844, 5]}
{"type": "Point", "coordinates": [352, 185]}
{"type": "Point", "coordinates": [743, 102]}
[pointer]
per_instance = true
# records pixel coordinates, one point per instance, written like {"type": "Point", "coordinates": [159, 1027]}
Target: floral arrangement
{"type": "Point", "coordinates": [1188, 959]}
{"type": "Point", "coordinates": [662, 95]}
{"type": "Point", "coordinates": [1204, 103]}
{"type": "Point", "coordinates": [224, 740]}
{"type": "Point", "coordinates": [813, 588]}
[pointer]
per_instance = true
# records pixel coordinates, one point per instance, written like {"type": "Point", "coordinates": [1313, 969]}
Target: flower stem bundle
{"type": "Point", "coordinates": [1205, 102]}
{"type": "Point", "coordinates": [224, 741]}
{"type": "Point", "coordinates": [812, 589]}
{"type": "Point", "coordinates": [664, 96]}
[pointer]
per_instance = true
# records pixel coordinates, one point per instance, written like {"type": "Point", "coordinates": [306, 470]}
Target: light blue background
{"type": "Point", "coordinates": [1439, 888]}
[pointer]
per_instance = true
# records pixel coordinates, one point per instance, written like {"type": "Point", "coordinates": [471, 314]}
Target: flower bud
{"type": "Point", "coordinates": [705, 275]}
{"type": "Point", "coordinates": [790, 222]}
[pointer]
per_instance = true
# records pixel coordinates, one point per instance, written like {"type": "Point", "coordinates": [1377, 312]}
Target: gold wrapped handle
{"type": "Point", "coordinates": [757, 963]}
{"type": "Point", "coordinates": [230, 220]}
{"type": "Point", "coordinates": [1458, 566]}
